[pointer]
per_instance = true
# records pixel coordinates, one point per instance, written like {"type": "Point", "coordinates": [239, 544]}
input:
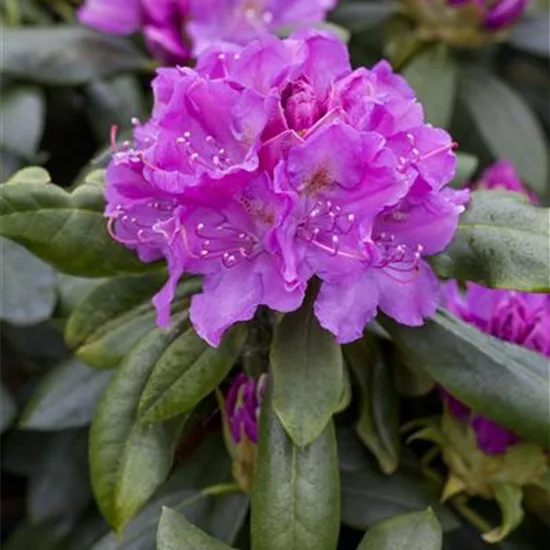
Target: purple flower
{"type": "Point", "coordinates": [260, 169]}
{"type": "Point", "coordinates": [160, 21]}
{"type": "Point", "coordinates": [518, 317]}
{"type": "Point", "coordinates": [495, 14]}
{"type": "Point", "coordinates": [242, 408]}
{"type": "Point", "coordinates": [174, 29]}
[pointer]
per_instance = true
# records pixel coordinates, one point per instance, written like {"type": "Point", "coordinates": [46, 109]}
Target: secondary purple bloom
{"type": "Point", "coordinates": [518, 317]}
{"type": "Point", "coordinates": [260, 170]}
{"type": "Point", "coordinates": [175, 29]}
{"type": "Point", "coordinates": [161, 21]}
{"type": "Point", "coordinates": [495, 14]}
{"type": "Point", "coordinates": [242, 408]}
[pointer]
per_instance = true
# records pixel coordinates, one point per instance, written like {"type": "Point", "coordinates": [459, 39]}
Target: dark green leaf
{"type": "Point", "coordinates": [59, 489]}
{"type": "Point", "coordinates": [65, 398]}
{"type": "Point", "coordinates": [220, 516]}
{"type": "Point", "coordinates": [31, 174]}
{"type": "Point", "coordinates": [466, 165]}
{"type": "Point", "coordinates": [501, 242]}
{"type": "Point", "coordinates": [413, 531]}
{"type": "Point", "coordinates": [433, 75]}
{"type": "Point", "coordinates": [22, 113]}
{"type": "Point", "coordinates": [114, 102]}
{"type": "Point", "coordinates": [112, 317]}
{"type": "Point", "coordinates": [369, 496]}
{"type": "Point", "coordinates": [531, 34]}
{"type": "Point", "coordinates": [36, 536]}
{"type": "Point", "coordinates": [176, 533]}
{"type": "Point", "coordinates": [22, 451]}
{"type": "Point", "coordinates": [360, 16]}
{"type": "Point", "coordinates": [506, 124]}
{"type": "Point", "coordinates": [503, 381]}
{"type": "Point", "coordinates": [295, 498]}
{"type": "Point", "coordinates": [64, 229]}
{"type": "Point", "coordinates": [128, 459]}
{"type": "Point", "coordinates": [378, 424]}
{"type": "Point", "coordinates": [71, 291]}
{"type": "Point", "coordinates": [28, 286]}
{"type": "Point", "coordinates": [8, 409]}
{"type": "Point", "coordinates": [67, 55]}
{"type": "Point", "coordinates": [187, 371]}
{"type": "Point", "coordinates": [508, 497]}
{"type": "Point", "coordinates": [308, 375]}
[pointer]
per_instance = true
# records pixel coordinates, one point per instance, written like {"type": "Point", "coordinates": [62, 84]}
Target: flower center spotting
{"type": "Point", "coordinates": [301, 106]}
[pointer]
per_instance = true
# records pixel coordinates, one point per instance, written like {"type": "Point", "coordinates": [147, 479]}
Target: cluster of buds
{"type": "Point", "coordinates": [465, 23]}
{"type": "Point", "coordinates": [240, 415]}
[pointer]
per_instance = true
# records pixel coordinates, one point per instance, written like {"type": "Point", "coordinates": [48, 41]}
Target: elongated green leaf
{"type": "Point", "coordinates": [128, 459]}
{"type": "Point", "coordinates": [66, 55]}
{"type": "Point", "coordinates": [110, 319]}
{"type": "Point", "coordinates": [28, 286]}
{"type": "Point", "coordinates": [414, 531]}
{"type": "Point", "coordinates": [531, 34]}
{"type": "Point", "coordinates": [22, 112]}
{"type": "Point", "coordinates": [433, 75]}
{"type": "Point", "coordinates": [65, 398]}
{"type": "Point", "coordinates": [220, 516]}
{"type": "Point", "coordinates": [177, 533]}
{"type": "Point", "coordinates": [59, 488]}
{"type": "Point", "coordinates": [369, 496]}
{"type": "Point", "coordinates": [509, 498]}
{"type": "Point", "coordinates": [506, 124]}
{"type": "Point", "coordinates": [8, 409]}
{"type": "Point", "coordinates": [308, 375]}
{"type": "Point", "coordinates": [378, 424]}
{"type": "Point", "coordinates": [360, 16]}
{"type": "Point", "coordinates": [501, 242]}
{"type": "Point", "coordinates": [296, 496]}
{"type": "Point", "coordinates": [64, 229]}
{"type": "Point", "coordinates": [188, 370]}
{"type": "Point", "coordinates": [30, 174]}
{"type": "Point", "coordinates": [505, 382]}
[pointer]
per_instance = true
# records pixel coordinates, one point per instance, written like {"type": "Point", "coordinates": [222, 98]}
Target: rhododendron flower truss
{"type": "Point", "coordinates": [262, 168]}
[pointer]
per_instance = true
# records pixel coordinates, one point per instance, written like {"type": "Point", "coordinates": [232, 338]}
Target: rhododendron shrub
{"type": "Point", "coordinates": [281, 278]}
{"type": "Point", "coordinates": [260, 169]}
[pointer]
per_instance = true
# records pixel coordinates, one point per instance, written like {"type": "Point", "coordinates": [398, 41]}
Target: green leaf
{"type": "Point", "coordinates": [413, 531]}
{"type": "Point", "coordinates": [59, 488]}
{"type": "Point", "coordinates": [67, 55]}
{"type": "Point", "coordinates": [433, 75]}
{"type": "Point", "coordinates": [177, 533]}
{"type": "Point", "coordinates": [378, 424]}
{"type": "Point", "coordinates": [219, 516]}
{"type": "Point", "coordinates": [296, 495]}
{"type": "Point", "coordinates": [358, 17]}
{"type": "Point", "coordinates": [115, 315]}
{"type": "Point", "coordinates": [308, 374]}
{"type": "Point", "coordinates": [65, 398]}
{"type": "Point", "coordinates": [187, 371]}
{"type": "Point", "coordinates": [466, 165]}
{"type": "Point", "coordinates": [22, 112]}
{"type": "Point", "coordinates": [501, 242]}
{"type": "Point", "coordinates": [531, 34]}
{"type": "Point", "coordinates": [30, 174]}
{"type": "Point", "coordinates": [129, 459]}
{"type": "Point", "coordinates": [67, 230]}
{"type": "Point", "coordinates": [503, 381]}
{"type": "Point", "coordinates": [28, 291]}
{"type": "Point", "coordinates": [509, 498]}
{"type": "Point", "coordinates": [71, 291]}
{"type": "Point", "coordinates": [8, 409]}
{"type": "Point", "coordinates": [36, 536]}
{"type": "Point", "coordinates": [506, 124]}
{"type": "Point", "coordinates": [369, 496]}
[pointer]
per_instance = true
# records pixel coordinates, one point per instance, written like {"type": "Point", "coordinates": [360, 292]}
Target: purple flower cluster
{"type": "Point", "coordinates": [176, 29]}
{"type": "Point", "coordinates": [518, 317]}
{"type": "Point", "coordinates": [242, 407]}
{"type": "Point", "coordinates": [495, 14]}
{"type": "Point", "coordinates": [274, 163]}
